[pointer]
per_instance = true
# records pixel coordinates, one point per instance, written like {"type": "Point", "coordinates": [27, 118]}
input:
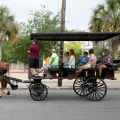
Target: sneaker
{"type": "Point", "coordinates": [41, 70]}
{"type": "Point", "coordinates": [44, 75]}
{"type": "Point", "coordinates": [49, 77]}
{"type": "Point", "coordinates": [35, 73]}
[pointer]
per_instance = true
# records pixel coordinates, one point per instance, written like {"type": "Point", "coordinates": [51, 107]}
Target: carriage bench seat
{"type": "Point", "coordinates": [113, 68]}
{"type": "Point", "coordinates": [71, 69]}
{"type": "Point", "coordinates": [53, 72]}
{"type": "Point", "coordinates": [53, 69]}
{"type": "Point", "coordinates": [91, 69]}
{"type": "Point", "coordinates": [71, 72]}
{"type": "Point", "coordinates": [108, 72]}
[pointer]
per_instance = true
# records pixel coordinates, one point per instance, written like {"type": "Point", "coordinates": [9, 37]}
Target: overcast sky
{"type": "Point", "coordinates": [78, 12]}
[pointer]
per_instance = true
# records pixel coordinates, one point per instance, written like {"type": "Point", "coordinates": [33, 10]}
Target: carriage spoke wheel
{"type": "Point", "coordinates": [96, 89]}
{"type": "Point", "coordinates": [38, 91]}
{"type": "Point", "coordinates": [78, 87]}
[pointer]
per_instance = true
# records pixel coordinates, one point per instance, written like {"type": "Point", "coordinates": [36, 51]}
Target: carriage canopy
{"type": "Point", "coordinates": [74, 36]}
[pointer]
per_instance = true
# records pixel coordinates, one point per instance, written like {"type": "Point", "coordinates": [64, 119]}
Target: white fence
{"type": "Point", "coordinates": [18, 67]}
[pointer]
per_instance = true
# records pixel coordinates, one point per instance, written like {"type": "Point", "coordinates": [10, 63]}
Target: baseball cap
{"type": "Point", "coordinates": [53, 50]}
{"type": "Point", "coordinates": [34, 40]}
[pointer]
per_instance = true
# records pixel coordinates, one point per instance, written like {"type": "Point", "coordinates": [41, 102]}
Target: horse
{"type": "Point", "coordinates": [4, 68]}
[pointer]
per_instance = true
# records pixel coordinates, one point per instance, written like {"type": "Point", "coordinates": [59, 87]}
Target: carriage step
{"type": "Point", "coordinates": [14, 87]}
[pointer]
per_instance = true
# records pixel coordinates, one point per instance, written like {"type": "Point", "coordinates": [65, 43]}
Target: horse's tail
{"type": "Point", "coordinates": [8, 68]}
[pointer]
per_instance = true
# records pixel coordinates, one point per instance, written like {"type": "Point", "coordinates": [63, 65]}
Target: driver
{"type": "Point", "coordinates": [34, 57]}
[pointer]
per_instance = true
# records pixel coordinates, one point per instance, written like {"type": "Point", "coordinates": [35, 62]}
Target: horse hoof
{"type": "Point", "coordinates": [8, 93]}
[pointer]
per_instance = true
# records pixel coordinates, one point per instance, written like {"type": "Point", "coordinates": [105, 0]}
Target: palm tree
{"type": "Point", "coordinates": [7, 26]}
{"type": "Point", "coordinates": [106, 18]}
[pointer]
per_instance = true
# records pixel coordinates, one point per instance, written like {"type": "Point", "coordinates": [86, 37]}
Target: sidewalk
{"type": "Point", "coordinates": [67, 84]}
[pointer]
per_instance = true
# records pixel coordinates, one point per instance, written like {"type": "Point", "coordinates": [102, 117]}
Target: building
{"type": "Point", "coordinates": [87, 45]}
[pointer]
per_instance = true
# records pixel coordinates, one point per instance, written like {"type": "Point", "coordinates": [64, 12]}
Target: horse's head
{"type": "Point", "coordinates": [4, 66]}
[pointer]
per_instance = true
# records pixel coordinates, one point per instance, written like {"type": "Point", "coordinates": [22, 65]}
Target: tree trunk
{"type": "Point", "coordinates": [114, 43]}
{"type": "Point", "coordinates": [1, 36]}
{"type": "Point", "coordinates": [115, 51]}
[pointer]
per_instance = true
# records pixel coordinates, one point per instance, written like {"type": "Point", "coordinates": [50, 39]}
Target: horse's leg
{"type": "Point", "coordinates": [5, 89]}
{"type": "Point", "coordinates": [1, 91]}
{"type": "Point", "coordinates": [2, 84]}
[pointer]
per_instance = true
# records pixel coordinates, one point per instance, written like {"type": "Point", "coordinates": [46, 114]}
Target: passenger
{"type": "Point", "coordinates": [34, 57]}
{"type": "Point", "coordinates": [91, 63]}
{"type": "Point", "coordinates": [46, 62]}
{"type": "Point", "coordinates": [72, 58]}
{"type": "Point", "coordinates": [66, 59]}
{"type": "Point", "coordinates": [107, 61]}
{"type": "Point", "coordinates": [84, 59]}
{"type": "Point", "coordinates": [53, 63]}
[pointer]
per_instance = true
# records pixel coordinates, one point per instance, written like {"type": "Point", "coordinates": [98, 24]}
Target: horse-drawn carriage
{"type": "Point", "coordinates": [87, 84]}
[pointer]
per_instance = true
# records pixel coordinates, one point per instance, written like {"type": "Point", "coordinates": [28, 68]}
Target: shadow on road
{"type": "Point", "coordinates": [57, 95]}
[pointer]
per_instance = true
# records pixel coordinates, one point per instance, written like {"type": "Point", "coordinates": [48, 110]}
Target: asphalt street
{"type": "Point", "coordinates": [59, 105]}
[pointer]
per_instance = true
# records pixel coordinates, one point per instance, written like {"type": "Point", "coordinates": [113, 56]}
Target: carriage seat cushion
{"type": "Point", "coordinates": [91, 69]}
{"type": "Point", "coordinates": [74, 69]}
{"type": "Point", "coordinates": [112, 68]}
{"type": "Point", "coordinates": [53, 69]}
{"type": "Point", "coordinates": [71, 69]}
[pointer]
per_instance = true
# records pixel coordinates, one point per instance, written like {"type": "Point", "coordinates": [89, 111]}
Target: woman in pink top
{"type": "Point", "coordinates": [91, 63]}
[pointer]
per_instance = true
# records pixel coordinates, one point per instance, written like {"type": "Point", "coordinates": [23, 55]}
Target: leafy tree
{"type": "Point", "coordinates": [24, 44]}
{"type": "Point", "coordinates": [106, 18]}
{"type": "Point", "coordinates": [76, 46]}
{"type": "Point", "coordinates": [8, 50]}
{"type": "Point", "coordinates": [119, 54]}
{"type": "Point", "coordinates": [98, 50]}
{"type": "Point", "coordinates": [41, 21]}
{"type": "Point", "coordinates": [7, 26]}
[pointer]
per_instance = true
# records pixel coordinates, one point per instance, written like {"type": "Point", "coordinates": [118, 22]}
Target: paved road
{"type": "Point", "coordinates": [59, 105]}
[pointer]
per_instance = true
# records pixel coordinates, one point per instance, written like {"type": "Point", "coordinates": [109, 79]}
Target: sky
{"type": "Point", "coordinates": [78, 12]}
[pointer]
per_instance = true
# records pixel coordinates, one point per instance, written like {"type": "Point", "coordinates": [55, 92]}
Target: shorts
{"type": "Point", "coordinates": [66, 67]}
{"type": "Point", "coordinates": [34, 63]}
{"type": "Point", "coordinates": [87, 66]}
{"type": "Point", "coordinates": [99, 64]}
{"type": "Point", "coordinates": [50, 66]}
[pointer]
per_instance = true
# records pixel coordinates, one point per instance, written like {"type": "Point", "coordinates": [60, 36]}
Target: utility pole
{"type": "Point", "coordinates": [63, 15]}
{"type": "Point", "coordinates": [62, 30]}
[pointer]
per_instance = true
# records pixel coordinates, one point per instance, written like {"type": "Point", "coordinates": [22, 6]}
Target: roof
{"type": "Point", "coordinates": [74, 36]}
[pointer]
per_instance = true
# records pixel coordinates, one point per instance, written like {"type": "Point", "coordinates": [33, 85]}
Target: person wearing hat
{"type": "Point", "coordinates": [53, 63]}
{"type": "Point", "coordinates": [34, 57]}
{"type": "Point", "coordinates": [46, 62]}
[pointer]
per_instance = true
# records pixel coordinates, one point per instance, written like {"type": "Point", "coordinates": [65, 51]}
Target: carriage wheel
{"type": "Point", "coordinates": [96, 89]}
{"type": "Point", "coordinates": [38, 91]}
{"type": "Point", "coordinates": [78, 87]}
